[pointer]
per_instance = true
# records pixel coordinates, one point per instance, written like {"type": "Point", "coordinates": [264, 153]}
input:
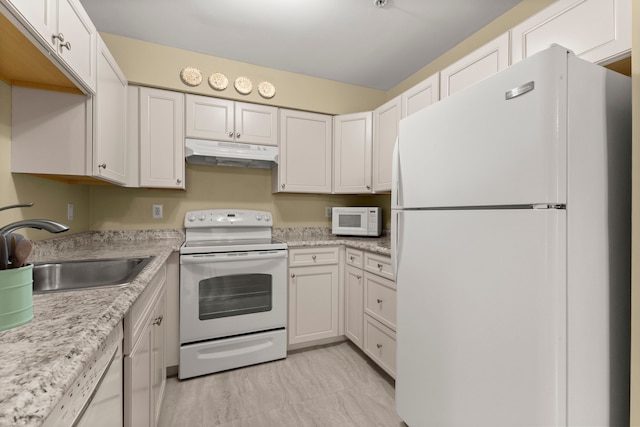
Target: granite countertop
{"type": "Point", "coordinates": [42, 358]}
{"type": "Point", "coordinates": [321, 236]}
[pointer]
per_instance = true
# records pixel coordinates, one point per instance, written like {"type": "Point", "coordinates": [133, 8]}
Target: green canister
{"type": "Point", "coordinates": [16, 302]}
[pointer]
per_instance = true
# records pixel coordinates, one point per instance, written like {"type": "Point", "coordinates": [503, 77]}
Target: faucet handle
{"type": "Point", "coordinates": [19, 205]}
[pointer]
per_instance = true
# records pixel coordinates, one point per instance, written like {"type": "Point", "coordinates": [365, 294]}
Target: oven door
{"type": "Point", "coordinates": [226, 294]}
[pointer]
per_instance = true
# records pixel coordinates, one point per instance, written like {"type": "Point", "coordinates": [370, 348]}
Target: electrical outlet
{"type": "Point", "coordinates": [157, 211]}
{"type": "Point", "coordinates": [70, 211]}
{"type": "Point", "coordinates": [327, 211]}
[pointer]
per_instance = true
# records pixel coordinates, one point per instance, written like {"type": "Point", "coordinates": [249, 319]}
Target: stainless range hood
{"type": "Point", "coordinates": [223, 153]}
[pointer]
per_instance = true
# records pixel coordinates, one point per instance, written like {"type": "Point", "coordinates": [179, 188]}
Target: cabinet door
{"type": "Point", "coordinates": [39, 14]}
{"type": "Point", "coordinates": [354, 304]}
{"type": "Point", "coordinates": [79, 46]}
{"type": "Point", "coordinates": [256, 124]}
{"type": "Point", "coordinates": [305, 153]}
{"type": "Point", "coordinates": [421, 95]}
{"type": "Point", "coordinates": [209, 118]}
{"type": "Point", "coordinates": [137, 393]}
{"type": "Point", "coordinates": [313, 303]}
{"type": "Point", "coordinates": [158, 370]}
{"type": "Point", "coordinates": [595, 30]}
{"type": "Point", "coordinates": [161, 138]}
{"type": "Point", "coordinates": [386, 119]}
{"type": "Point", "coordinates": [478, 65]}
{"type": "Point", "coordinates": [109, 125]}
{"type": "Point", "coordinates": [352, 145]}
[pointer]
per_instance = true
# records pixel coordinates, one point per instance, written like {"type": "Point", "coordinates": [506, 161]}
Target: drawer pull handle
{"type": "Point", "coordinates": [158, 320]}
{"type": "Point", "coordinates": [379, 301]}
{"type": "Point", "coordinates": [379, 346]}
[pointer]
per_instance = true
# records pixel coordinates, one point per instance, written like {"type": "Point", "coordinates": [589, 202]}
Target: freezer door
{"type": "Point", "coordinates": [499, 142]}
{"type": "Point", "coordinates": [481, 315]}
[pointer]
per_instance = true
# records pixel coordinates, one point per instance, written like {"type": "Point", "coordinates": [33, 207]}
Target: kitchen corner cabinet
{"type": "Point", "coordinates": [314, 288]}
{"type": "Point", "coordinates": [386, 120]}
{"type": "Point", "coordinates": [158, 124]}
{"type": "Point", "coordinates": [421, 95]}
{"type": "Point", "coordinates": [66, 30]}
{"type": "Point", "coordinates": [224, 120]}
{"type": "Point", "coordinates": [305, 162]}
{"type": "Point", "coordinates": [598, 31]}
{"type": "Point", "coordinates": [144, 363]}
{"type": "Point", "coordinates": [370, 306]}
{"type": "Point", "coordinates": [352, 145]}
{"type": "Point", "coordinates": [478, 65]}
{"type": "Point", "coordinates": [110, 119]}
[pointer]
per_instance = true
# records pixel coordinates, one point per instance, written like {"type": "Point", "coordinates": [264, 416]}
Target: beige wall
{"type": "Point", "coordinates": [50, 197]}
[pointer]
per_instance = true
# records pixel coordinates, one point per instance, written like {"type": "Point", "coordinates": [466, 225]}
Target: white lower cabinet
{"type": "Point", "coordinates": [314, 296]}
{"type": "Point", "coordinates": [370, 306]}
{"type": "Point", "coordinates": [144, 349]}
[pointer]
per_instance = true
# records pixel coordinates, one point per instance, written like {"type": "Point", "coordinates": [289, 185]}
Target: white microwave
{"type": "Point", "coordinates": [356, 221]}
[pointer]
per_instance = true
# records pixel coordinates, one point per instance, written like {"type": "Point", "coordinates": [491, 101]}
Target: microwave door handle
{"type": "Point", "coordinates": [231, 256]}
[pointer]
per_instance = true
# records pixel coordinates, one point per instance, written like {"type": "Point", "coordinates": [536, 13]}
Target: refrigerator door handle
{"type": "Point", "coordinates": [396, 224]}
{"type": "Point", "coordinates": [395, 176]}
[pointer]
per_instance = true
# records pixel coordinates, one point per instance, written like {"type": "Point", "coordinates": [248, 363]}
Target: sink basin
{"type": "Point", "coordinates": [86, 274]}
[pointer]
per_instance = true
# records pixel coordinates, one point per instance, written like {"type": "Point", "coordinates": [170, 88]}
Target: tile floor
{"type": "Point", "coordinates": [334, 385]}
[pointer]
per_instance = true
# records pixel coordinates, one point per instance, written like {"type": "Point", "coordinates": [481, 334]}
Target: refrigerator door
{"type": "Point", "coordinates": [481, 318]}
{"type": "Point", "coordinates": [499, 142]}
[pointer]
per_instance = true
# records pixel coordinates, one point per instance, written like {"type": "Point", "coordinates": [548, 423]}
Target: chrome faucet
{"type": "Point", "coordinates": [40, 224]}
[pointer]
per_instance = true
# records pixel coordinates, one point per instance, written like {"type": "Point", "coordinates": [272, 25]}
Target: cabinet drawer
{"type": "Point", "coordinates": [140, 311]}
{"type": "Point", "coordinates": [380, 344]}
{"type": "Point", "coordinates": [313, 256]}
{"type": "Point", "coordinates": [354, 257]}
{"type": "Point", "coordinates": [378, 264]}
{"type": "Point", "coordinates": [380, 299]}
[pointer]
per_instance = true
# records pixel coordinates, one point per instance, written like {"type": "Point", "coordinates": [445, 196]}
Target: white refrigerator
{"type": "Point", "coordinates": [511, 245]}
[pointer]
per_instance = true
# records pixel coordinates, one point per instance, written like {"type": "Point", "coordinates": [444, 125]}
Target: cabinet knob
{"type": "Point", "coordinates": [351, 258]}
{"type": "Point", "coordinates": [178, 180]}
{"type": "Point", "coordinates": [293, 276]}
{"type": "Point", "coordinates": [158, 320]}
{"type": "Point", "coordinates": [67, 45]}
{"type": "Point", "coordinates": [358, 277]}
{"type": "Point", "coordinates": [58, 36]}
{"type": "Point", "coordinates": [368, 187]}
{"type": "Point", "coordinates": [238, 135]}
{"type": "Point", "coordinates": [230, 134]}
{"type": "Point", "coordinates": [379, 301]}
{"type": "Point", "coordinates": [313, 257]}
{"type": "Point", "coordinates": [282, 186]}
{"type": "Point", "coordinates": [380, 267]}
{"type": "Point", "coordinates": [379, 346]}
{"type": "Point", "coordinates": [103, 166]}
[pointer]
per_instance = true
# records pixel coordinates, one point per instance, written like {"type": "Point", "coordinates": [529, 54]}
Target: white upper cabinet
{"type": "Point", "coordinates": [386, 119]}
{"type": "Point", "coordinates": [352, 145]}
{"type": "Point", "coordinates": [224, 120]}
{"type": "Point", "coordinates": [109, 124]}
{"type": "Point", "coordinates": [421, 95]}
{"type": "Point", "coordinates": [304, 165]}
{"type": "Point", "coordinates": [478, 65]}
{"type": "Point", "coordinates": [596, 30]}
{"type": "Point", "coordinates": [66, 29]}
{"type": "Point", "coordinates": [161, 137]}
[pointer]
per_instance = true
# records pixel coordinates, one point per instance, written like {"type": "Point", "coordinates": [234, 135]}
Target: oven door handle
{"type": "Point", "coordinates": [232, 256]}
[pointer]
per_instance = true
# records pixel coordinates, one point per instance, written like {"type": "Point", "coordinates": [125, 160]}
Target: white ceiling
{"type": "Point", "coordinates": [351, 41]}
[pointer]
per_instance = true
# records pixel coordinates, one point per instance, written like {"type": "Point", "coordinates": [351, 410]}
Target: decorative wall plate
{"type": "Point", "coordinates": [191, 76]}
{"type": "Point", "coordinates": [266, 90]}
{"type": "Point", "coordinates": [218, 81]}
{"type": "Point", "coordinates": [243, 85]}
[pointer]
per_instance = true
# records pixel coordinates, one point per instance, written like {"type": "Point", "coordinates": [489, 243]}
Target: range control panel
{"type": "Point", "coordinates": [227, 218]}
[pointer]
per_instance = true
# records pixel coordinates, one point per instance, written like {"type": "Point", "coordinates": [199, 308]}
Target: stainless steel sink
{"type": "Point", "coordinates": [86, 274]}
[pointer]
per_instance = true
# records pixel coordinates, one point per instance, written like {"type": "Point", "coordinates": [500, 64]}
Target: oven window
{"type": "Point", "coordinates": [234, 295]}
{"type": "Point", "coordinates": [349, 220]}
